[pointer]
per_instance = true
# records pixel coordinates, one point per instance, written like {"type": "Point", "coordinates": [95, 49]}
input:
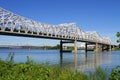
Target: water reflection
{"type": "Point", "coordinates": [75, 61]}
{"type": "Point", "coordinates": [80, 61]}
{"type": "Point", "coordinates": [86, 61]}
{"type": "Point", "coordinates": [61, 58]}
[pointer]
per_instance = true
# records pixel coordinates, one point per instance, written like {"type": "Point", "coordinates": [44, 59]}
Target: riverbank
{"type": "Point", "coordinates": [117, 49]}
{"type": "Point", "coordinates": [31, 70]}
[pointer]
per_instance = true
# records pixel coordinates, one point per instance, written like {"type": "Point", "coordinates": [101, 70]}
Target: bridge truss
{"type": "Point", "coordinates": [13, 23]}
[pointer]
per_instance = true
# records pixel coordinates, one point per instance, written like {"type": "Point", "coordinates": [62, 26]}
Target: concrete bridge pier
{"type": "Point", "coordinates": [96, 47]}
{"type": "Point", "coordinates": [2, 28]}
{"type": "Point", "coordinates": [113, 47]}
{"type": "Point", "coordinates": [106, 47]}
{"type": "Point", "coordinates": [110, 48]}
{"type": "Point", "coordinates": [103, 47]}
{"type": "Point", "coordinates": [99, 47]}
{"type": "Point", "coordinates": [75, 51]}
{"type": "Point", "coordinates": [61, 46]}
{"type": "Point", "coordinates": [75, 46]}
{"type": "Point", "coordinates": [85, 47]}
{"type": "Point", "coordinates": [63, 42]}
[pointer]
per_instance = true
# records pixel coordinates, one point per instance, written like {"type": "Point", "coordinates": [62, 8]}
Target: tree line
{"type": "Point", "coordinates": [118, 40]}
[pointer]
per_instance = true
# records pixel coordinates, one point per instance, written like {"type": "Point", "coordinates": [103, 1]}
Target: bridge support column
{"type": "Point", "coordinates": [110, 48]}
{"type": "Point", "coordinates": [75, 46]}
{"type": "Point", "coordinates": [86, 47]}
{"type": "Point", "coordinates": [61, 46]}
{"type": "Point", "coordinates": [96, 47]}
{"type": "Point", "coordinates": [65, 42]}
{"type": "Point", "coordinates": [2, 28]}
{"type": "Point", "coordinates": [106, 47]}
{"type": "Point", "coordinates": [61, 53]}
{"type": "Point", "coordinates": [113, 47]}
{"type": "Point", "coordinates": [27, 32]}
{"type": "Point", "coordinates": [102, 47]}
{"type": "Point", "coordinates": [18, 31]}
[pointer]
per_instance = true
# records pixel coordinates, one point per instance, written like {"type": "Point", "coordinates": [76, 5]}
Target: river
{"type": "Point", "coordinates": [80, 61]}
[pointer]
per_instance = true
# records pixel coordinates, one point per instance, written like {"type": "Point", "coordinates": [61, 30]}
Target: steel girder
{"type": "Point", "coordinates": [13, 21]}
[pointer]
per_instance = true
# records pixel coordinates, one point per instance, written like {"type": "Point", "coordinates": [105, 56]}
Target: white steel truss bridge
{"type": "Point", "coordinates": [16, 25]}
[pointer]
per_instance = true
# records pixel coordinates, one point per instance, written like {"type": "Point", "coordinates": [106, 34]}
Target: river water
{"type": "Point", "coordinates": [81, 61]}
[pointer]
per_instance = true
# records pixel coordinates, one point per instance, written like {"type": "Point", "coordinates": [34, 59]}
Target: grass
{"type": "Point", "coordinates": [34, 71]}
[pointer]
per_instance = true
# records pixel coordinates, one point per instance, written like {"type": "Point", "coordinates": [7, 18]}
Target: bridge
{"type": "Point", "coordinates": [16, 25]}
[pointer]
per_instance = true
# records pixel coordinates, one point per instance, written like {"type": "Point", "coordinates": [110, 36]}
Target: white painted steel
{"type": "Point", "coordinates": [13, 22]}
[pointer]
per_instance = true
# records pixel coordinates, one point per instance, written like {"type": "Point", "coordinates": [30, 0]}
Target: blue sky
{"type": "Point", "coordinates": [102, 16]}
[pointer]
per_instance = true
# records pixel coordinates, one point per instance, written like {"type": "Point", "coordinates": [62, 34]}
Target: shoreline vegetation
{"type": "Point", "coordinates": [31, 70]}
{"type": "Point", "coordinates": [56, 47]}
{"type": "Point", "coordinates": [117, 49]}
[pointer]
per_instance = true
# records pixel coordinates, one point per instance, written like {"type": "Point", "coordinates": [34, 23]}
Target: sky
{"type": "Point", "coordinates": [102, 16]}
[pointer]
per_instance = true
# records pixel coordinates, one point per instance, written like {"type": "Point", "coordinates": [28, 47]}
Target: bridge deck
{"type": "Point", "coordinates": [15, 25]}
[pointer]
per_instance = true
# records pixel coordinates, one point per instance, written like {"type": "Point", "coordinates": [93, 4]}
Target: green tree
{"type": "Point", "coordinates": [118, 35]}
